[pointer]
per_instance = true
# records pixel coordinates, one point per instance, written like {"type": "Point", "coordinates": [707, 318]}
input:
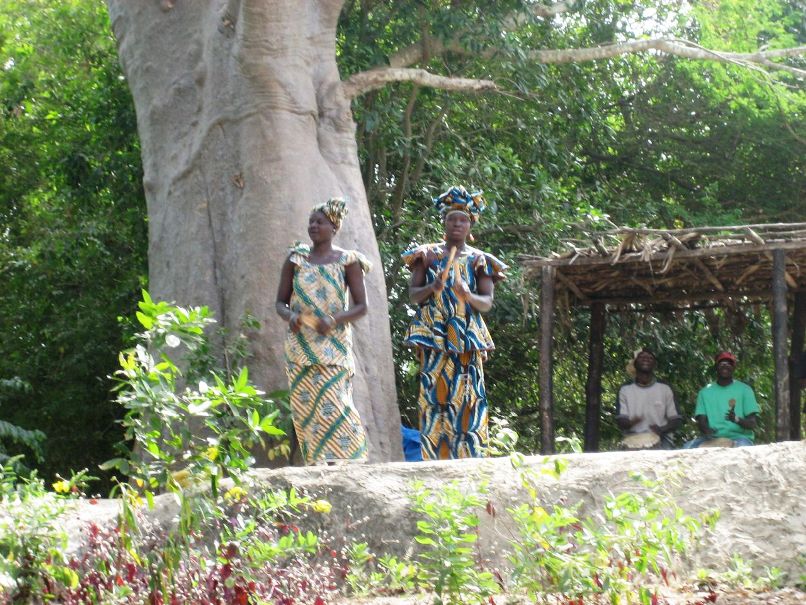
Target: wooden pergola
{"type": "Point", "coordinates": [647, 270]}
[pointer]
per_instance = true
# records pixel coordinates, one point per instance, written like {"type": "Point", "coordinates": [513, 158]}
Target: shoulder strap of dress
{"type": "Point", "coordinates": [299, 253]}
{"type": "Point", "coordinates": [485, 263]}
{"type": "Point", "coordinates": [349, 257]}
{"type": "Point", "coordinates": [421, 252]}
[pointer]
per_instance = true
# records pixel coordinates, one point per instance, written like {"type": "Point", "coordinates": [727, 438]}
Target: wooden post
{"type": "Point", "coordinates": [593, 388]}
{"type": "Point", "coordinates": [779, 334]}
{"type": "Point", "coordinates": [546, 368]}
{"type": "Point", "coordinates": [795, 352]}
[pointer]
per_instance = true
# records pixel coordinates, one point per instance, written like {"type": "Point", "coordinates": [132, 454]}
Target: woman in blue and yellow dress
{"type": "Point", "coordinates": [313, 298]}
{"type": "Point", "coordinates": [452, 284]}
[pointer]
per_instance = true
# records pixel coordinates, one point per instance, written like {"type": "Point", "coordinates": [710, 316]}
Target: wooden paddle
{"type": "Point", "coordinates": [449, 264]}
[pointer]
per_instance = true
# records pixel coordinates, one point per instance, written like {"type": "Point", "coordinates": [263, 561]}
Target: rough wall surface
{"type": "Point", "coordinates": [760, 492]}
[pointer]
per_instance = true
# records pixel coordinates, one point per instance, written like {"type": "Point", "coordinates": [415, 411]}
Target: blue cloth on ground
{"type": "Point", "coordinates": [411, 444]}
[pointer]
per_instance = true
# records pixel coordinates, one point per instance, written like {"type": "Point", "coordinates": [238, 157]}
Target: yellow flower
{"type": "Point", "coordinates": [62, 487]}
{"type": "Point", "coordinates": [321, 506]}
{"type": "Point", "coordinates": [211, 453]}
{"type": "Point", "coordinates": [234, 494]}
{"type": "Point", "coordinates": [182, 478]}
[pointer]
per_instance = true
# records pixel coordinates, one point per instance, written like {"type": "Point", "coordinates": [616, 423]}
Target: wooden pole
{"type": "Point", "coordinates": [795, 353]}
{"type": "Point", "coordinates": [593, 387]}
{"type": "Point", "coordinates": [546, 369]}
{"type": "Point", "coordinates": [779, 338]}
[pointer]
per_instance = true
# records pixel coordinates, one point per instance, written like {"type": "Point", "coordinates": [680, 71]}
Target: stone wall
{"type": "Point", "coordinates": [760, 492]}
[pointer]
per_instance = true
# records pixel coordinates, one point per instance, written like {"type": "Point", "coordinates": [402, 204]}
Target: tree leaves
{"type": "Point", "coordinates": [73, 235]}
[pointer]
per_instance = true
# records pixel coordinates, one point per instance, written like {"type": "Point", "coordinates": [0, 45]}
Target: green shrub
{"type": "Point", "coordinates": [12, 435]}
{"type": "Point", "coordinates": [184, 434]}
{"type": "Point", "coordinates": [448, 529]}
{"type": "Point", "coordinates": [621, 552]}
{"type": "Point", "coordinates": [32, 539]}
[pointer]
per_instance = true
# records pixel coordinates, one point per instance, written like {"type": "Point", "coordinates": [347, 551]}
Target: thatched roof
{"type": "Point", "coordinates": [677, 268]}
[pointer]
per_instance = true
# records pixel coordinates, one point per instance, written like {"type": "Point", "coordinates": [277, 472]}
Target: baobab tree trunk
{"type": "Point", "coordinates": [244, 126]}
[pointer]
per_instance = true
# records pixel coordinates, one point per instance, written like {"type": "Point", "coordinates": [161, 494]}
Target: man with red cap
{"type": "Point", "coordinates": [726, 409]}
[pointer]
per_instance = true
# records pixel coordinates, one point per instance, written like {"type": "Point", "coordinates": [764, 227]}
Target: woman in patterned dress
{"type": "Point", "coordinates": [313, 299]}
{"type": "Point", "coordinates": [448, 330]}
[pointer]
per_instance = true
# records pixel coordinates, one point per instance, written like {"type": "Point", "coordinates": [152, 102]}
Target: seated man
{"type": "Point", "coordinates": [646, 411]}
{"type": "Point", "coordinates": [726, 409]}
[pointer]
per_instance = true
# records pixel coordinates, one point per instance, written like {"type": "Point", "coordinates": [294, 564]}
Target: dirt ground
{"type": "Point", "coordinates": [742, 596]}
{"type": "Point", "coordinates": [685, 595]}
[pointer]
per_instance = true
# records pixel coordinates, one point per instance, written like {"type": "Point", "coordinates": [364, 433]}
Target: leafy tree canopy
{"type": "Point", "coordinates": [657, 138]}
{"type": "Point", "coordinates": [73, 235]}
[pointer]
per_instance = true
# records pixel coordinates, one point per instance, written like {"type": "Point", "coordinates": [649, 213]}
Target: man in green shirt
{"type": "Point", "coordinates": [726, 408]}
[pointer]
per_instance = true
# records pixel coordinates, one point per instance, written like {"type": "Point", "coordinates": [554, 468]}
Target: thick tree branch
{"type": "Point", "coordinates": [670, 46]}
{"type": "Point", "coordinates": [762, 59]}
{"type": "Point", "coordinates": [373, 79]}
{"type": "Point", "coordinates": [793, 70]}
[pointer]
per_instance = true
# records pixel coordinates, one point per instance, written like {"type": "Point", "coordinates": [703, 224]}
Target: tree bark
{"type": "Point", "coordinates": [244, 126]}
{"type": "Point", "coordinates": [593, 387]}
{"type": "Point", "coordinates": [779, 338]}
{"type": "Point", "coordinates": [547, 441]}
{"type": "Point", "coordinates": [796, 370]}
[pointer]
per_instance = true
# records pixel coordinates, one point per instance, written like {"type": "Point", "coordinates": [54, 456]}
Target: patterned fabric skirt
{"type": "Point", "coordinates": [453, 405]}
{"type": "Point", "coordinates": [326, 422]}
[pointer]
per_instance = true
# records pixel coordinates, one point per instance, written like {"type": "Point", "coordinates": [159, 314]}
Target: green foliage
{"type": "Point", "coordinates": [234, 544]}
{"type": "Point", "coordinates": [246, 532]}
{"type": "Point", "coordinates": [801, 580]}
{"type": "Point", "coordinates": [32, 537]}
{"type": "Point", "coordinates": [741, 574]}
{"type": "Point", "coordinates": [569, 445]}
{"type": "Point", "coordinates": [447, 529]}
{"type": "Point", "coordinates": [570, 149]}
{"type": "Point", "coordinates": [73, 231]}
{"type": "Point", "coordinates": [208, 428]}
{"type": "Point", "coordinates": [503, 440]}
{"type": "Point", "coordinates": [637, 140]}
{"type": "Point", "coordinates": [621, 552]}
{"type": "Point", "coordinates": [12, 435]}
{"type": "Point", "coordinates": [239, 546]}
{"type": "Point", "coordinates": [186, 436]}
{"type": "Point", "coordinates": [371, 575]}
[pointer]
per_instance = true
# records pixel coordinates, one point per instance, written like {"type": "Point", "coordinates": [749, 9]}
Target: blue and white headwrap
{"type": "Point", "coordinates": [457, 198]}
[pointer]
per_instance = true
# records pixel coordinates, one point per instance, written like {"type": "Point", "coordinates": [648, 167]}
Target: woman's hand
{"type": "Point", "coordinates": [419, 290]}
{"type": "Point", "coordinates": [325, 325]}
{"type": "Point", "coordinates": [462, 290]}
{"type": "Point", "coordinates": [437, 285]}
{"type": "Point", "coordinates": [295, 322]}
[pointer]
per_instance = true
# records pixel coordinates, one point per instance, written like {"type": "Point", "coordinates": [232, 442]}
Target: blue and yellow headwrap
{"type": "Point", "coordinates": [335, 209]}
{"type": "Point", "coordinates": [457, 198]}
